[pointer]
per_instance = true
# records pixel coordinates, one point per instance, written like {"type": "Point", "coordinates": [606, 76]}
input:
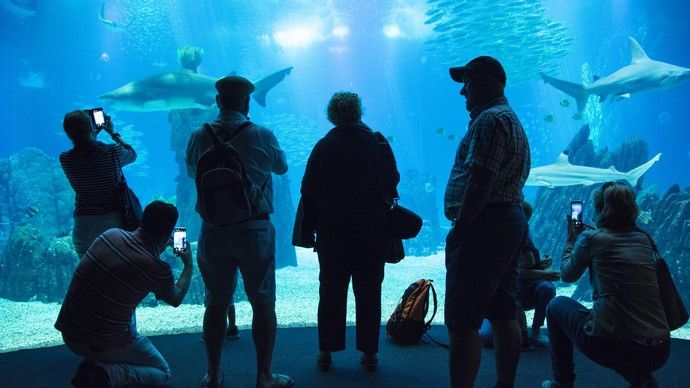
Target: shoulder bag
{"type": "Point", "coordinates": [674, 308]}
{"type": "Point", "coordinates": [130, 207]}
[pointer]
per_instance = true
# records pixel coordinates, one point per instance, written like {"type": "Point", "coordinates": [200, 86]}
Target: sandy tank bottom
{"type": "Point", "coordinates": [28, 325]}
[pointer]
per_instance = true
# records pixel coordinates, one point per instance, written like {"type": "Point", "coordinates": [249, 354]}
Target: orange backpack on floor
{"type": "Point", "coordinates": [406, 326]}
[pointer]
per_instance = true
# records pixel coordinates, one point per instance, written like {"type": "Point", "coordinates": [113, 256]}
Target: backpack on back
{"type": "Point", "coordinates": [406, 326]}
{"type": "Point", "coordinates": [225, 194]}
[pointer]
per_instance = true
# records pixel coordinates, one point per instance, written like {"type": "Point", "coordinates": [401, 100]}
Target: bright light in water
{"type": "Point", "coordinates": [340, 31]}
{"type": "Point", "coordinates": [392, 31]}
{"type": "Point", "coordinates": [295, 37]}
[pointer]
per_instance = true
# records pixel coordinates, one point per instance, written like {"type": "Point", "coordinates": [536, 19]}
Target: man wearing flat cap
{"type": "Point", "coordinates": [248, 245]}
{"type": "Point", "coordinates": [482, 200]}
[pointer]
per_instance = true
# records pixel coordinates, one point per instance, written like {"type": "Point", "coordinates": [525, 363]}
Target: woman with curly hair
{"type": "Point", "coordinates": [350, 179]}
{"type": "Point", "coordinates": [626, 328]}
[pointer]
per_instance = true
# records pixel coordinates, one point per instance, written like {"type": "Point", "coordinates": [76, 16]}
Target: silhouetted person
{"type": "Point", "coordinates": [350, 178]}
{"type": "Point", "coordinates": [93, 169]}
{"type": "Point", "coordinates": [97, 316]}
{"type": "Point", "coordinates": [249, 245]}
{"type": "Point", "coordinates": [535, 290]}
{"type": "Point", "coordinates": [626, 328]}
{"type": "Point", "coordinates": [482, 199]}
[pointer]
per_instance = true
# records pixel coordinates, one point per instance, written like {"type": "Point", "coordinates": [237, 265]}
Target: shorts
{"type": "Point", "coordinates": [481, 267]}
{"type": "Point", "coordinates": [249, 246]}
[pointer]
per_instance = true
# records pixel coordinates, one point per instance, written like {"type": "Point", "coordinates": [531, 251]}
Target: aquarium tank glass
{"type": "Point", "coordinates": [151, 65]}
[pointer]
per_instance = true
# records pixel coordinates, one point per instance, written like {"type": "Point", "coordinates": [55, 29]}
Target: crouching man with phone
{"type": "Point", "coordinates": [97, 316]}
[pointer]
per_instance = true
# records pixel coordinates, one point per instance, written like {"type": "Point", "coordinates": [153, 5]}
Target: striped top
{"type": "Point", "coordinates": [496, 142]}
{"type": "Point", "coordinates": [115, 275]}
{"type": "Point", "coordinates": [93, 172]}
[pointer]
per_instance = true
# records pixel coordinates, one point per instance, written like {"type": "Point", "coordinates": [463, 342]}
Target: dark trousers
{"type": "Point", "coordinates": [336, 269]}
{"type": "Point", "coordinates": [537, 297]}
{"type": "Point", "coordinates": [566, 321]}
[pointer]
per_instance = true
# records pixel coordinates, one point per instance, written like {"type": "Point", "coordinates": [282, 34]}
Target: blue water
{"type": "Point", "coordinates": [405, 89]}
{"type": "Point", "coordinates": [62, 57]}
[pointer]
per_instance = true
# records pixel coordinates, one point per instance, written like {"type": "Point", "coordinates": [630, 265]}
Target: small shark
{"type": "Point", "coordinates": [641, 74]}
{"type": "Point", "coordinates": [23, 8]}
{"type": "Point", "coordinates": [110, 23]}
{"type": "Point", "coordinates": [179, 90]}
{"type": "Point", "coordinates": [33, 79]}
{"type": "Point", "coordinates": [562, 173]}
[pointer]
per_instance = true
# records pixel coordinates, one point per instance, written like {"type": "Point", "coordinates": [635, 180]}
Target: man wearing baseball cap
{"type": "Point", "coordinates": [482, 199]}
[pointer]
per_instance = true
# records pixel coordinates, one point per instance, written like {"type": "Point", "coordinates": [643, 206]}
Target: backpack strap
{"type": "Point", "coordinates": [433, 314]}
{"type": "Point", "coordinates": [209, 130]}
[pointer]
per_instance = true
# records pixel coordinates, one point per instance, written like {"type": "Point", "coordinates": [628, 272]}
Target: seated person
{"type": "Point", "coordinates": [97, 316]}
{"type": "Point", "coordinates": [626, 328]}
{"type": "Point", "coordinates": [535, 291]}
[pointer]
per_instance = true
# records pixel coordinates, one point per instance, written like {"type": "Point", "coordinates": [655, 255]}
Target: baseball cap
{"type": "Point", "coordinates": [484, 63]}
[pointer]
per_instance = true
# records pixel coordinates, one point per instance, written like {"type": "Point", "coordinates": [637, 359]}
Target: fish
{"type": "Point", "coordinates": [440, 131]}
{"type": "Point", "coordinates": [452, 137]}
{"type": "Point", "coordinates": [562, 173]}
{"type": "Point", "coordinates": [110, 23]}
{"type": "Point", "coordinates": [564, 102]}
{"type": "Point", "coordinates": [179, 90]}
{"type": "Point", "coordinates": [23, 8]}
{"type": "Point", "coordinates": [640, 75]}
{"type": "Point", "coordinates": [645, 216]}
{"type": "Point", "coordinates": [549, 118]}
{"type": "Point", "coordinates": [390, 139]}
{"type": "Point", "coordinates": [33, 79]}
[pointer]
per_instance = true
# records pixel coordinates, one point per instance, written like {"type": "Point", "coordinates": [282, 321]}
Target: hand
{"type": "Point", "coordinates": [108, 125]}
{"type": "Point", "coordinates": [185, 255]}
{"type": "Point", "coordinates": [574, 229]}
{"type": "Point", "coordinates": [546, 262]}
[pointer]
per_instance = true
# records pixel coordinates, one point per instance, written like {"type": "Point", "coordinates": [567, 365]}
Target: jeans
{"type": "Point", "coordinates": [567, 319]}
{"type": "Point", "coordinates": [87, 228]}
{"type": "Point", "coordinates": [138, 363]}
{"type": "Point", "coordinates": [537, 297]}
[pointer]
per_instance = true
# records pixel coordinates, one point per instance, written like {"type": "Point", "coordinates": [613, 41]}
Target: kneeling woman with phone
{"type": "Point", "coordinates": [94, 170]}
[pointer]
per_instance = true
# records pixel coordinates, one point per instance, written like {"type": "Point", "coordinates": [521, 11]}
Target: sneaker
{"type": "Point", "coordinates": [541, 341]}
{"type": "Point", "coordinates": [369, 361]}
{"type": "Point", "coordinates": [555, 384]}
{"type": "Point", "coordinates": [324, 361]}
{"type": "Point", "coordinates": [232, 333]}
{"type": "Point", "coordinates": [527, 344]}
{"type": "Point", "coordinates": [91, 376]}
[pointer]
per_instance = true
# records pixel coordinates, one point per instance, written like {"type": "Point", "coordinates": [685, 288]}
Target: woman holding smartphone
{"type": "Point", "coordinates": [94, 170]}
{"type": "Point", "coordinates": [626, 328]}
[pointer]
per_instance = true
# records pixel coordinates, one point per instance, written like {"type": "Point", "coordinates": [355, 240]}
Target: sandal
{"type": "Point", "coordinates": [369, 361]}
{"type": "Point", "coordinates": [207, 383]}
{"type": "Point", "coordinates": [281, 381]}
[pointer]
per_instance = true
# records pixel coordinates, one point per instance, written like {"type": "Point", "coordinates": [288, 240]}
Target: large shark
{"type": "Point", "coordinates": [641, 74]}
{"type": "Point", "coordinates": [179, 90]}
{"type": "Point", "coordinates": [562, 173]}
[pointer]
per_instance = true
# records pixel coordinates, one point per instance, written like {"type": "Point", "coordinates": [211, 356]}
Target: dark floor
{"type": "Point", "coordinates": [416, 366]}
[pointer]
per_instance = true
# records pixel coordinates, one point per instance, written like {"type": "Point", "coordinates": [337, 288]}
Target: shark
{"type": "Point", "coordinates": [181, 89]}
{"type": "Point", "coordinates": [640, 75]}
{"type": "Point", "coordinates": [111, 23]}
{"type": "Point", "coordinates": [562, 173]}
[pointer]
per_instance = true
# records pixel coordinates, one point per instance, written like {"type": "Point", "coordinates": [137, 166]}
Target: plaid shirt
{"type": "Point", "coordinates": [497, 142]}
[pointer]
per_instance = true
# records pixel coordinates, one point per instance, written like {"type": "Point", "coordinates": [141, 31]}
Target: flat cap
{"type": "Point", "coordinates": [234, 87]}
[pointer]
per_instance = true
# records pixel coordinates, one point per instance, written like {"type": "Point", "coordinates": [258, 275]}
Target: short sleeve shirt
{"type": "Point", "coordinates": [496, 142]}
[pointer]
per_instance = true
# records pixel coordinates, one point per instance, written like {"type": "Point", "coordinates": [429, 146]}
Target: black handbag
{"type": "Point", "coordinates": [674, 308]}
{"type": "Point", "coordinates": [676, 313]}
{"type": "Point", "coordinates": [131, 211]}
{"type": "Point", "coordinates": [402, 222]}
{"type": "Point", "coordinates": [130, 206]}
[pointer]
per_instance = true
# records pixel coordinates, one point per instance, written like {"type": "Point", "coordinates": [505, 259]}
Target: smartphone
{"type": "Point", "coordinates": [576, 212]}
{"type": "Point", "coordinates": [98, 117]}
{"type": "Point", "coordinates": [179, 239]}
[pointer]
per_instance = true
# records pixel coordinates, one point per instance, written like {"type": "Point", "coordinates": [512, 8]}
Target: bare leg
{"type": "Point", "coordinates": [507, 340]}
{"type": "Point", "coordinates": [214, 332]}
{"type": "Point", "coordinates": [264, 335]}
{"type": "Point", "coordinates": [464, 357]}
